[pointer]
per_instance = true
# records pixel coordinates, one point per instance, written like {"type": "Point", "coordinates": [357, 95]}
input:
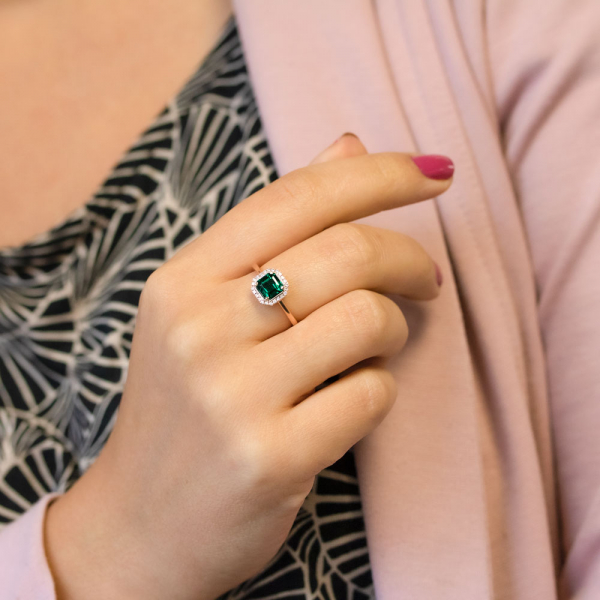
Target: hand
{"type": "Point", "coordinates": [220, 431]}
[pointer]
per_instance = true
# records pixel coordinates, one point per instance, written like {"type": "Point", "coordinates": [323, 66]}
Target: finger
{"type": "Point", "coordinates": [302, 203]}
{"type": "Point", "coordinates": [347, 144]}
{"type": "Point", "coordinates": [359, 325]}
{"type": "Point", "coordinates": [345, 257]}
{"type": "Point", "coordinates": [324, 426]}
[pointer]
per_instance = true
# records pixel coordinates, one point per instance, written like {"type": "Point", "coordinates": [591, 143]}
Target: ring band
{"type": "Point", "coordinates": [270, 286]}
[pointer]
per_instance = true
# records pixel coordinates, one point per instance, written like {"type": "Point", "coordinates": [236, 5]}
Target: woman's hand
{"type": "Point", "coordinates": [220, 433]}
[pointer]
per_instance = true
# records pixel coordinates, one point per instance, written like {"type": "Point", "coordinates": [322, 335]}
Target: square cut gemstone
{"type": "Point", "coordinates": [269, 286]}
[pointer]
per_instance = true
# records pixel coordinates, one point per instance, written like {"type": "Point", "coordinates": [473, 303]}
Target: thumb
{"type": "Point", "coordinates": [345, 146]}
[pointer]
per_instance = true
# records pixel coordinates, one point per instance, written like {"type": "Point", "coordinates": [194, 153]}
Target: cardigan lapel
{"type": "Point", "coordinates": [438, 476]}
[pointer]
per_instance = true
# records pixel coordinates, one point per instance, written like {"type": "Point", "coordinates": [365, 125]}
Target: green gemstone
{"type": "Point", "coordinates": [269, 286]}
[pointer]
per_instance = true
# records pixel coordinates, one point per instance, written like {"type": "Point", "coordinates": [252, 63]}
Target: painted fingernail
{"type": "Point", "coordinates": [438, 274]}
{"type": "Point", "coordinates": [434, 166]}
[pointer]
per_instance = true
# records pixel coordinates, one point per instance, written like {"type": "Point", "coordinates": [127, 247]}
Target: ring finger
{"type": "Point", "coordinates": [334, 262]}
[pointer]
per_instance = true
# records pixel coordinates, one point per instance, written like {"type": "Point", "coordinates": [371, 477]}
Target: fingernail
{"type": "Point", "coordinates": [346, 133]}
{"type": "Point", "coordinates": [438, 274]}
{"type": "Point", "coordinates": [434, 166]}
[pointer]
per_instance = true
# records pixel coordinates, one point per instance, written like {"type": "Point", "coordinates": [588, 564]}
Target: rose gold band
{"type": "Point", "coordinates": [284, 308]}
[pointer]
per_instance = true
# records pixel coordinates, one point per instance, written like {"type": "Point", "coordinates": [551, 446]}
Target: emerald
{"type": "Point", "coordinates": [269, 286]}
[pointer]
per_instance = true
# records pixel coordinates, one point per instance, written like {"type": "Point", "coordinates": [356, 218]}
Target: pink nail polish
{"type": "Point", "coordinates": [434, 166]}
{"type": "Point", "coordinates": [438, 274]}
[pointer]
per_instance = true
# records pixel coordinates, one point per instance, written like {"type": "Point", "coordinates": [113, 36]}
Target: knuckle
{"type": "Point", "coordinates": [259, 461]}
{"type": "Point", "coordinates": [299, 187]}
{"type": "Point", "coordinates": [183, 330]}
{"type": "Point", "coordinates": [367, 314]}
{"type": "Point", "coordinates": [390, 168]}
{"type": "Point", "coordinates": [181, 340]}
{"type": "Point", "coordinates": [220, 397]}
{"type": "Point", "coordinates": [231, 392]}
{"type": "Point", "coordinates": [377, 391]}
{"type": "Point", "coordinates": [190, 340]}
{"type": "Point", "coordinates": [353, 244]}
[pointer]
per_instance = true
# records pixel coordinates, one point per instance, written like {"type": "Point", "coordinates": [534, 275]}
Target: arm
{"type": "Point", "coordinates": [546, 65]}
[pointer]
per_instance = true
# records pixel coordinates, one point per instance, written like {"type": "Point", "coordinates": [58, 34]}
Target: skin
{"type": "Point", "coordinates": [81, 79]}
{"type": "Point", "coordinates": [208, 465]}
{"type": "Point", "coordinates": [204, 473]}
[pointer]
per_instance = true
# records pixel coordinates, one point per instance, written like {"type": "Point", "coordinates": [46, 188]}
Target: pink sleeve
{"type": "Point", "coordinates": [546, 66]}
{"type": "Point", "coordinates": [24, 571]}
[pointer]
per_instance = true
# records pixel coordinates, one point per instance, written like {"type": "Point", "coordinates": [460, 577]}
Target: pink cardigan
{"type": "Point", "coordinates": [484, 480]}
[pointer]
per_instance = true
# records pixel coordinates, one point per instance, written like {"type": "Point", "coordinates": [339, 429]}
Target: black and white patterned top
{"type": "Point", "coordinates": [68, 303]}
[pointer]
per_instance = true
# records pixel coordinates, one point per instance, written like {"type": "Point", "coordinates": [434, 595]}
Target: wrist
{"type": "Point", "coordinates": [92, 553]}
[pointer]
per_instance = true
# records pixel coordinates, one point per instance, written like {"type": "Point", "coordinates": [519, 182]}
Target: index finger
{"type": "Point", "coordinates": [303, 203]}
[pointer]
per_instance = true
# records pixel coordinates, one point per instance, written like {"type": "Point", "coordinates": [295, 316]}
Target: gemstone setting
{"type": "Point", "coordinates": [269, 286]}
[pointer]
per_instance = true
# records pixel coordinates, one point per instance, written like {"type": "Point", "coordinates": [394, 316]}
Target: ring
{"type": "Point", "coordinates": [270, 286]}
